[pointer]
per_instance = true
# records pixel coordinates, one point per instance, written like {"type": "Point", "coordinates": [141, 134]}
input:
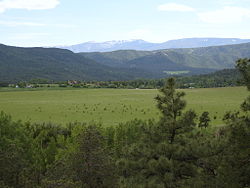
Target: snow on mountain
{"type": "Point", "coordinates": [138, 44]}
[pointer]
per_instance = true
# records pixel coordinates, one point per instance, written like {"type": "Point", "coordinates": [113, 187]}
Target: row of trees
{"type": "Point", "coordinates": [177, 151]}
{"type": "Point", "coordinates": [224, 78]}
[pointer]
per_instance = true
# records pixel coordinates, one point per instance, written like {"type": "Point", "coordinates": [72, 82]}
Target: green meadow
{"type": "Point", "coordinates": [110, 106]}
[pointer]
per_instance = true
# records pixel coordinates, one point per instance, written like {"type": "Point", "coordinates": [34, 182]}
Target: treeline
{"type": "Point", "coordinates": [223, 78]}
{"type": "Point", "coordinates": [180, 150]}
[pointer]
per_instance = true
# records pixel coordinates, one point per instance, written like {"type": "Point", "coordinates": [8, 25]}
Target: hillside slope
{"type": "Point", "coordinates": [18, 64]}
{"type": "Point", "coordinates": [216, 57]}
{"type": "Point", "coordinates": [56, 64]}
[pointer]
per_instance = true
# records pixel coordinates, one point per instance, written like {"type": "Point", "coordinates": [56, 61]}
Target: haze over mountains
{"type": "Point", "coordinates": [147, 46]}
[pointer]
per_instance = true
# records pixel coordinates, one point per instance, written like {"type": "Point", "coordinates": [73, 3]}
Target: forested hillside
{"type": "Point", "coordinates": [217, 57]}
{"type": "Point", "coordinates": [24, 64]}
{"type": "Point", "coordinates": [56, 64]}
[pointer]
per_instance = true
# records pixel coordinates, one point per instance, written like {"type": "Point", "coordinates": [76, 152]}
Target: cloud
{"type": "Point", "coordinates": [28, 4]}
{"type": "Point", "coordinates": [15, 24]}
{"type": "Point", "coordinates": [225, 15]}
{"type": "Point", "coordinates": [175, 7]}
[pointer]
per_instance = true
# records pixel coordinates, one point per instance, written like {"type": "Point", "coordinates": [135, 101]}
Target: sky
{"type": "Point", "coordinates": [66, 22]}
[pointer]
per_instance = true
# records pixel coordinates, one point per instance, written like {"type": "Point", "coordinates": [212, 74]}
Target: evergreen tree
{"type": "Point", "coordinates": [204, 120]}
{"type": "Point", "coordinates": [235, 169]}
{"type": "Point", "coordinates": [14, 149]}
{"type": "Point", "coordinates": [243, 66]}
{"type": "Point", "coordinates": [92, 163]}
{"type": "Point", "coordinates": [164, 156]}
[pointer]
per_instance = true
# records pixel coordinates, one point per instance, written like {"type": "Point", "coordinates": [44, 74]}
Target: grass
{"type": "Point", "coordinates": [110, 106]}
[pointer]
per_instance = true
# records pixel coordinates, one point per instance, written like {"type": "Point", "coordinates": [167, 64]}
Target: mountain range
{"type": "Point", "coordinates": [18, 63]}
{"type": "Point", "coordinates": [23, 64]}
{"type": "Point", "coordinates": [192, 60]}
{"type": "Point", "coordinates": [148, 46]}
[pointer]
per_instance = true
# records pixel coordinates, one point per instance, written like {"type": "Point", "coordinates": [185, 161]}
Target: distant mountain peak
{"type": "Point", "coordinates": [114, 42]}
{"type": "Point", "coordinates": [139, 44]}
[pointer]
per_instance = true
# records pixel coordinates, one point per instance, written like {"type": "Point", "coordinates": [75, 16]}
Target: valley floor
{"type": "Point", "coordinates": [110, 106]}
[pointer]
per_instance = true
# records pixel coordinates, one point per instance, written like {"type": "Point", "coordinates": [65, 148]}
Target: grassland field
{"type": "Point", "coordinates": [110, 106]}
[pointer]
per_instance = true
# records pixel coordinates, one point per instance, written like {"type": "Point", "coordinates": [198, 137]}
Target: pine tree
{"type": "Point", "coordinates": [164, 156]}
{"type": "Point", "coordinates": [204, 120]}
{"type": "Point", "coordinates": [92, 163]}
{"type": "Point", "coordinates": [235, 169]}
{"type": "Point", "coordinates": [243, 66]}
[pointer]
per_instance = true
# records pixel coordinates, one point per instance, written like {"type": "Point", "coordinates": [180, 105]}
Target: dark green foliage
{"type": "Point", "coordinates": [39, 81]}
{"type": "Point", "coordinates": [243, 65]}
{"type": "Point", "coordinates": [204, 120]}
{"type": "Point", "coordinates": [170, 103]}
{"type": "Point", "coordinates": [59, 184]}
{"type": "Point", "coordinates": [245, 106]}
{"type": "Point", "coordinates": [116, 58]}
{"type": "Point", "coordinates": [93, 165]}
{"type": "Point", "coordinates": [23, 64]}
{"type": "Point", "coordinates": [22, 84]}
{"type": "Point", "coordinates": [163, 156]}
{"type": "Point", "coordinates": [4, 84]}
{"type": "Point", "coordinates": [235, 170]}
{"type": "Point", "coordinates": [223, 78]}
{"type": "Point", "coordinates": [160, 63]}
{"type": "Point", "coordinates": [13, 151]}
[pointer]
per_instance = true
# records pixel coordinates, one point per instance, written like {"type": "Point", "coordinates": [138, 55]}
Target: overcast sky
{"type": "Point", "coordinates": [65, 22]}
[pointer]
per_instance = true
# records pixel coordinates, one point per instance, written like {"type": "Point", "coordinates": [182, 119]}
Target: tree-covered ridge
{"type": "Point", "coordinates": [222, 78]}
{"type": "Point", "coordinates": [24, 64]}
{"type": "Point", "coordinates": [18, 64]}
{"type": "Point", "coordinates": [216, 57]}
{"type": "Point", "coordinates": [179, 151]}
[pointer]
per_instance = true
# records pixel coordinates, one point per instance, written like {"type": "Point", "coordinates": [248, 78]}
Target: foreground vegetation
{"type": "Point", "coordinates": [174, 152]}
